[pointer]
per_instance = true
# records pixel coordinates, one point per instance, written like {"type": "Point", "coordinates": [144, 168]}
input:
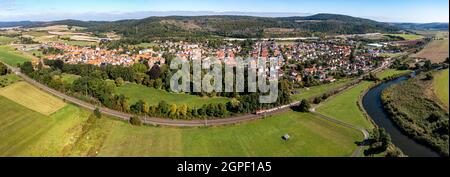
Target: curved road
{"type": "Point", "coordinates": [357, 152]}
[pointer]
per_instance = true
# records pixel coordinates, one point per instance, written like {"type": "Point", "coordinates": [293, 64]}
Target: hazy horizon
{"type": "Point", "coordinates": [405, 11]}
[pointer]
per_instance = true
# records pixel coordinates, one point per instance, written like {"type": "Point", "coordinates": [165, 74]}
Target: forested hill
{"type": "Point", "coordinates": [235, 26]}
{"type": "Point", "coordinates": [244, 26]}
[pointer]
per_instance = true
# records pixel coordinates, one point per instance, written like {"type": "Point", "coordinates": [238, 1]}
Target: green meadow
{"type": "Point", "coordinates": [408, 36]}
{"type": "Point", "coordinates": [391, 72]}
{"type": "Point", "coordinates": [72, 131]}
{"type": "Point", "coordinates": [345, 106]}
{"type": "Point", "coordinates": [306, 93]}
{"type": "Point", "coordinates": [153, 96]}
{"type": "Point", "coordinates": [440, 86]}
{"type": "Point", "coordinates": [11, 57]}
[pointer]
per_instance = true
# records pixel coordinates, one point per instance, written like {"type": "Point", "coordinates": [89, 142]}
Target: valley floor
{"type": "Point", "coordinates": [72, 131]}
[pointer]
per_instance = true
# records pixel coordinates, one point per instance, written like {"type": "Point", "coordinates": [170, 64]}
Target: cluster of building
{"type": "Point", "coordinates": [332, 56]}
{"type": "Point", "coordinates": [98, 56]}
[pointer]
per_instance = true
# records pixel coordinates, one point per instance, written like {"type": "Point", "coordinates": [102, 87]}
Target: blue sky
{"type": "Point", "coordinates": [381, 10]}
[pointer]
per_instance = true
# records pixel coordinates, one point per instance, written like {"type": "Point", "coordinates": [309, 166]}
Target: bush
{"type": "Point", "coordinates": [97, 113]}
{"type": "Point", "coordinates": [304, 106]}
{"type": "Point", "coordinates": [135, 121]}
{"type": "Point", "coordinates": [317, 100]}
{"type": "Point", "coordinates": [119, 82]}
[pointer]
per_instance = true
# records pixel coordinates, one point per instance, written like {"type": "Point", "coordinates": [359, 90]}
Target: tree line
{"type": "Point", "coordinates": [93, 87]}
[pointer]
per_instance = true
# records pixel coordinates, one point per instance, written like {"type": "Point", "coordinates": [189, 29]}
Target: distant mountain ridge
{"type": "Point", "coordinates": [423, 26]}
{"type": "Point", "coordinates": [17, 23]}
{"type": "Point", "coordinates": [229, 26]}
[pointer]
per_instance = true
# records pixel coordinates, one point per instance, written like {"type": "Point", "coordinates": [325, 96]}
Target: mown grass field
{"type": "Point", "coordinates": [408, 36]}
{"type": "Point", "coordinates": [25, 132]}
{"type": "Point", "coordinates": [311, 136]}
{"type": "Point", "coordinates": [36, 33]}
{"type": "Point", "coordinates": [440, 86]}
{"type": "Point", "coordinates": [153, 96]}
{"type": "Point", "coordinates": [318, 90]}
{"type": "Point", "coordinates": [345, 107]}
{"type": "Point", "coordinates": [6, 40]}
{"type": "Point", "coordinates": [32, 98]}
{"type": "Point", "coordinates": [437, 50]}
{"type": "Point", "coordinates": [390, 72]}
{"type": "Point", "coordinates": [11, 57]}
{"type": "Point", "coordinates": [70, 132]}
{"type": "Point", "coordinates": [79, 43]}
{"type": "Point", "coordinates": [391, 55]}
{"type": "Point", "coordinates": [146, 45]}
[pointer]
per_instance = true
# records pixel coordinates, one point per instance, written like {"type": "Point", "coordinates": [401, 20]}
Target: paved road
{"type": "Point", "coordinates": [357, 152]}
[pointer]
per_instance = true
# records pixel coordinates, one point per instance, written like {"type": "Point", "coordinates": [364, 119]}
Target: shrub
{"type": "Point", "coordinates": [97, 113]}
{"type": "Point", "coordinates": [119, 82]}
{"type": "Point", "coordinates": [135, 121]}
{"type": "Point", "coordinates": [304, 106]}
{"type": "Point", "coordinates": [317, 100]}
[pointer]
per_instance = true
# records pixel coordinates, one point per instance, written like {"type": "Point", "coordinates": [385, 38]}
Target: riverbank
{"type": "Point", "coordinates": [373, 105]}
{"type": "Point", "coordinates": [412, 106]}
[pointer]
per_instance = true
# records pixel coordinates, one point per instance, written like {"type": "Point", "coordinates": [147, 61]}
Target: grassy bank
{"type": "Point", "coordinates": [391, 73]}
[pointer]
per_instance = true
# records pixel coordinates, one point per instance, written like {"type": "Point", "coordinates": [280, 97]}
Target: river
{"type": "Point", "coordinates": [374, 107]}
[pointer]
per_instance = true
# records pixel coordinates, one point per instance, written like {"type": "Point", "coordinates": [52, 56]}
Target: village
{"type": "Point", "coordinates": [319, 59]}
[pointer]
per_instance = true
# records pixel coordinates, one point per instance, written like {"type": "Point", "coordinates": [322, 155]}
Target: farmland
{"type": "Point", "coordinates": [70, 132]}
{"type": "Point", "coordinates": [345, 106]}
{"type": "Point", "coordinates": [79, 43]}
{"type": "Point", "coordinates": [408, 36]}
{"type": "Point", "coordinates": [311, 136]}
{"type": "Point", "coordinates": [440, 87]}
{"type": "Point", "coordinates": [437, 50]}
{"type": "Point", "coordinates": [6, 40]}
{"type": "Point", "coordinates": [146, 45]}
{"type": "Point", "coordinates": [28, 133]}
{"type": "Point", "coordinates": [11, 57]}
{"type": "Point", "coordinates": [32, 98]}
{"type": "Point", "coordinates": [153, 96]}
